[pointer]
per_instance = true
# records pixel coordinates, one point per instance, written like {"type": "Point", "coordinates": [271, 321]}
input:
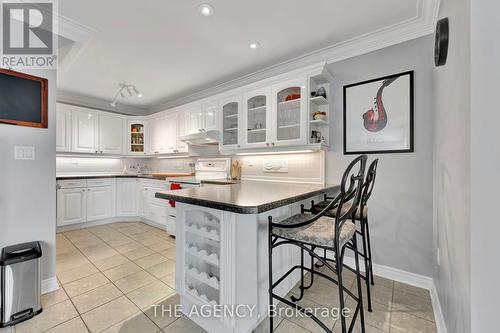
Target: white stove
{"type": "Point", "coordinates": [205, 169]}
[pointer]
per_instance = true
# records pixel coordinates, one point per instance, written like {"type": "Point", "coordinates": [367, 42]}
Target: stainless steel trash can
{"type": "Point", "coordinates": [20, 283]}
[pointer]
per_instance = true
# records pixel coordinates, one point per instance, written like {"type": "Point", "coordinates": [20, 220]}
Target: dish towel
{"type": "Point", "coordinates": [174, 186]}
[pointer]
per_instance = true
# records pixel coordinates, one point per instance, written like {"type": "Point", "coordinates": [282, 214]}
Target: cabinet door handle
{"type": "Point", "coordinates": [83, 190]}
{"type": "Point", "coordinates": [273, 143]}
{"type": "Point", "coordinates": [267, 144]}
{"type": "Point", "coordinates": [88, 189]}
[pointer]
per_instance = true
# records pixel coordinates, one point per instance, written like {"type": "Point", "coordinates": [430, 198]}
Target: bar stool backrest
{"type": "Point", "coordinates": [369, 183]}
{"type": "Point", "coordinates": [350, 194]}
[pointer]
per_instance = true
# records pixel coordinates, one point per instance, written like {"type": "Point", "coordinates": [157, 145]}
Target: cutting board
{"type": "Point", "coordinates": [173, 174]}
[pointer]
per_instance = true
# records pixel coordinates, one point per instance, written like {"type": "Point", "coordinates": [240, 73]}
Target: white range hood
{"type": "Point", "coordinates": [203, 138]}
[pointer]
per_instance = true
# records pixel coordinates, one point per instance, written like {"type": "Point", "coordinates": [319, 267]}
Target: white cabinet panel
{"type": "Point", "coordinates": [99, 203]}
{"type": "Point", "coordinates": [127, 197]}
{"type": "Point", "coordinates": [210, 115]}
{"type": "Point", "coordinates": [157, 213]}
{"type": "Point", "coordinates": [63, 128]}
{"type": "Point", "coordinates": [71, 206]}
{"type": "Point", "coordinates": [196, 121]}
{"type": "Point", "coordinates": [110, 134]}
{"type": "Point", "coordinates": [182, 129]}
{"type": "Point", "coordinates": [84, 131]}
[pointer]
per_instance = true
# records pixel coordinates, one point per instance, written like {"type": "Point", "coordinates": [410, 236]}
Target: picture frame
{"type": "Point", "coordinates": [378, 115]}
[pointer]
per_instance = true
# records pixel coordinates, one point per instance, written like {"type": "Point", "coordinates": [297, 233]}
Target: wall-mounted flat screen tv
{"type": "Point", "coordinates": [23, 99]}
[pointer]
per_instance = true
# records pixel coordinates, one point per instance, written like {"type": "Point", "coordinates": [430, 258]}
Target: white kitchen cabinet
{"type": "Point", "coordinates": [127, 197]}
{"type": "Point", "coordinates": [143, 201]}
{"type": "Point", "coordinates": [257, 115]}
{"type": "Point", "coordinates": [289, 113]}
{"type": "Point", "coordinates": [137, 138]}
{"type": "Point", "coordinates": [63, 128]}
{"type": "Point", "coordinates": [209, 114]}
{"type": "Point", "coordinates": [71, 206]}
{"type": "Point", "coordinates": [170, 134]}
{"type": "Point", "coordinates": [182, 129]}
{"type": "Point", "coordinates": [111, 138]}
{"type": "Point", "coordinates": [230, 123]}
{"type": "Point", "coordinates": [164, 135]}
{"type": "Point", "coordinates": [100, 203]}
{"type": "Point", "coordinates": [196, 121]}
{"type": "Point", "coordinates": [84, 128]}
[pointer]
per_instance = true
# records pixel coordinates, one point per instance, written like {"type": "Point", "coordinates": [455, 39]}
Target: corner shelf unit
{"type": "Point", "coordinates": [319, 129]}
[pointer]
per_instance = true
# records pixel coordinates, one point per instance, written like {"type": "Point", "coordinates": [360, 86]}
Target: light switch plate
{"type": "Point", "coordinates": [24, 153]}
{"type": "Point", "coordinates": [275, 165]}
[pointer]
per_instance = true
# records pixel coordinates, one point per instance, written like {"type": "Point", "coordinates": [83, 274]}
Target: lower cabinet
{"type": "Point", "coordinates": [80, 201]}
{"type": "Point", "coordinates": [71, 206]}
{"type": "Point", "coordinates": [127, 197]}
{"type": "Point", "coordinates": [100, 203]}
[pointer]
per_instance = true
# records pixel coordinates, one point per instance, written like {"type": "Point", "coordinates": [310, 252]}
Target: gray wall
{"type": "Point", "coordinates": [401, 205]}
{"type": "Point", "coordinates": [452, 171]}
{"type": "Point", "coordinates": [485, 159]}
{"type": "Point", "coordinates": [28, 188]}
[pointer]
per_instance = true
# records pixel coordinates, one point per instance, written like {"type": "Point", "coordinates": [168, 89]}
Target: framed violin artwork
{"type": "Point", "coordinates": [378, 115]}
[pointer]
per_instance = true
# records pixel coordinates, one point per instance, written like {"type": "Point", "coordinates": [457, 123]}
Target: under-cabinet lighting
{"type": "Point", "coordinates": [176, 156]}
{"type": "Point", "coordinates": [254, 45]}
{"type": "Point", "coordinates": [276, 152]}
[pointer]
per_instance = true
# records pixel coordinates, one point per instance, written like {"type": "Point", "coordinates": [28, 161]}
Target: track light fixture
{"type": "Point", "coordinates": [125, 91]}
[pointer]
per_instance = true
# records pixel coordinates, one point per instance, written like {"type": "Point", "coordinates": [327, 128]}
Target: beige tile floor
{"type": "Point", "coordinates": [110, 276]}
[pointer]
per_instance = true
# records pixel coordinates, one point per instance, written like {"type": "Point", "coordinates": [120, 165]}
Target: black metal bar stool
{"type": "Point", "coordinates": [310, 232]}
{"type": "Point", "coordinates": [360, 215]}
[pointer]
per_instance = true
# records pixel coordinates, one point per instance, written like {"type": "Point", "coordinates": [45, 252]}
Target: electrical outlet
{"type": "Point", "coordinates": [24, 153]}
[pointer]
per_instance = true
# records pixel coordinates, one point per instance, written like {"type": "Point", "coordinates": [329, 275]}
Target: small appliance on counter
{"type": "Point", "coordinates": [20, 283]}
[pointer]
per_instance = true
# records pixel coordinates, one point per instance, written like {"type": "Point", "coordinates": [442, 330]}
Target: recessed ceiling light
{"type": "Point", "coordinates": [254, 45]}
{"type": "Point", "coordinates": [206, 9]}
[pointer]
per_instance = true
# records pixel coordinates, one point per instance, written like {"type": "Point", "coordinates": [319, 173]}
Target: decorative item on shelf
{"type": "Point", "coordinates": [316, 137]}
{"type": "Point", "coordinates": [292, 97]}
{"type": "Point", "coordinates": [319, 115]}
{"type": "Point", "coordinates": [134, 129]}
{"type": "Point", "coordinates": [321, 92]}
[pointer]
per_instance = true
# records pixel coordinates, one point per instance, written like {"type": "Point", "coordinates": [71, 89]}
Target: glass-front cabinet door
{"type": "Point", "coordinates": [289, 113]}
{"type": "Point", "coordinates": [231, 123]}
{"type": "Point", "coordinates": [257, 118]}
{"type": "Point", "coordinates": [136, 132]}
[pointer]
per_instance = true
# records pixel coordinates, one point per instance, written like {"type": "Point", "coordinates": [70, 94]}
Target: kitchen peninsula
{"type": "Point", "coordinates": [222, 251]}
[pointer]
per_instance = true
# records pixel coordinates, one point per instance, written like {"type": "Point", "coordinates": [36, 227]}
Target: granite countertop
{"type": "Point", "coordinates": [247, 197]}
{"type": "Point", "coordinates": [90, 176]}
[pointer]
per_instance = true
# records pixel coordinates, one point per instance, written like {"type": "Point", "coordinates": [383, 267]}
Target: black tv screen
{"type": "Point", "coordinates": [23, 99]}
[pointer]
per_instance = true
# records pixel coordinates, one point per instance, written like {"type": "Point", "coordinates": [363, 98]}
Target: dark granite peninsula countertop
{"type": "Point", "coordinates": [247, 197]}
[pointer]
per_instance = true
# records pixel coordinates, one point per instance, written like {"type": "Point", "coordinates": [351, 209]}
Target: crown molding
{"type": "Point", "coordinates": [68, 97]}
{"type": "Point", "coordinates": [422, 24]}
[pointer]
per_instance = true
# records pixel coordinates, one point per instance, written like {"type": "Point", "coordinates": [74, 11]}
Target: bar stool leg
{"type": "Point", "coordinates": [270, 245]}
{"type": "Point", "coordinates": [358, 279]}
{"type": "Point", "coordinates": [338, 268]}
{"type": "Point", "coordinates": [293, 298]}
{"type": "Point", "coordinates": [367, 266]}
{"type": "Point", "coordinates": [369, 249]}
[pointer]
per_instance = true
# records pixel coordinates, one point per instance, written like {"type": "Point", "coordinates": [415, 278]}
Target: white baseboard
{"type": "Point", "coordinates": [99, 222]}
{"type": "Point", "coordinates": [412, 279]}
{"type": "Point", "coordinates": [49, 285]}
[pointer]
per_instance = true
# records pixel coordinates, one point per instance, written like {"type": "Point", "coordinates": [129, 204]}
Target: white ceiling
{"type": "Point", "coordinates": [168, 50]}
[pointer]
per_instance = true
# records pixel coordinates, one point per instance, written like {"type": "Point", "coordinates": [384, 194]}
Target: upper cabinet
{"type": "Point", "coordinates": [84, 123]}
{"type": "Point", "coordinates": [163, 134]}
{"type": "Point", "coordinates": [111, 136]}
{"type": "Point", "coordinates": [203, 117]}
{"type": "Point", "coordinates": [136, 137]}
{"type": "Point", "coordinates": [290, 113]}
{"type": "Point", "coordinates": [231, 124]}
{"type": "Point", "coordinates": [209, 111]}
{"type": "Point", "coordinates": [257, 118]}
{"type": "Point", "coordinates": [63, 128]}
{"type": "Point", "coordinates": [182, 129]}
